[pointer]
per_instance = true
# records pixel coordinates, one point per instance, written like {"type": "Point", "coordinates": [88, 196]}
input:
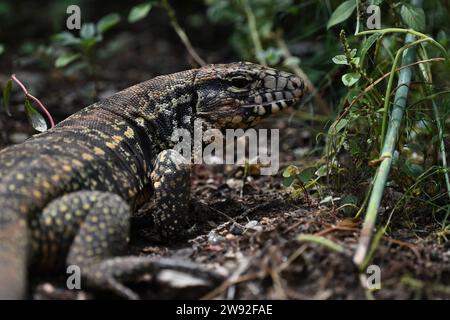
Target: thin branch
{"type": "Point", "coordinates": [28, 95]}
{"type": "Point", "coordinates": [181, 34]}
{"type": "Point", "coordinates": [321, 103]}
{"type": "Point", "coordinates": [390, 83]}
{"type": "Point", "coordinates": [253, 31]}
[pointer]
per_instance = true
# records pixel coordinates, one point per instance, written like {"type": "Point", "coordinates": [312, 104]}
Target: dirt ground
{"type": "Point", "coordinates": [246, 234]}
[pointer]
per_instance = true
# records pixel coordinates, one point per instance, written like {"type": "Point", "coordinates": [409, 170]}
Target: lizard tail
{"type": "Point", "coordinates": [13, 254]}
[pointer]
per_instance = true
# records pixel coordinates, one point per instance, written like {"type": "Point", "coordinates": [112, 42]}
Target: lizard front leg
{"type": "Point", "coordinates": [171, 182]}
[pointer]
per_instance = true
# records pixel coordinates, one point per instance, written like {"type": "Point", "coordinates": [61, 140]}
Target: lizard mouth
{"type": "Point", "coordinates": [267, 108]}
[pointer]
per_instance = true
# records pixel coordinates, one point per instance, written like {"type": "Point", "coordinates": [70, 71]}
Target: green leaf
{"type": "Point", "coordinates": [272, 56]}
{"type": "Point", "coordinates": [287, 182]}
{"type": "Point", "coordinates": [350, 79]}
{"type": "Point", "coordinates": [368, 44]}
{"type": "Point", "coordinates": [87, 30]}
{"type": "Point", "coordinates": [90, 42]}
{"type": "Point", "coordinates": [341, 125]}
{"type": "Point", "coordinates": [342, 13]}
{"type": "Point", "coordinates": [2, 49]}
{"type": "Point", "coordinates": [340, 59]}
{"type": "Point", "coordinates": [222, 11]}
{"type": "Point", "coordinates": [139, 12]}
{"type": "Point", "coordinates": [65, 59]}
{"type": "Point", "coordinates": [442, 38]}
{"type": "Point", "coordinates": [322, 171]}
{"type": "Point", "coordinates": [413, 17]}
{"type": "Point", "coordinates": [350, 203]}
{"type": "Point", "coordinates": [6, 96]}
{"type": "Point", "coordinates": [65, 38]}
{"type": "Point", "coordinates": [107, 22]}
{"type": "Point", "coordinates": [356, 60]}
{"type": "Point", "coordinates": [291, 62]}
{"type": "Point", "coordinates": [290, 171]}
{"type": "Point", "coordinates": [75, 67]}
{"type": "Point", "coordinates": [306, 175]}
{"type": "Point", "coordinates": [36, 119]}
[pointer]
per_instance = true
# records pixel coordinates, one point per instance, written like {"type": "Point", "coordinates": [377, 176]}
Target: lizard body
{"type": "Point", "coordinates": [66, 195]}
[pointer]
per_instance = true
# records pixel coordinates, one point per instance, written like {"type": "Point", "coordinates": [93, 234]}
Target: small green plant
{"type": "Point", "coordinates": [300, 180]}
{"type": "Point", "coordinates": [82, 48]}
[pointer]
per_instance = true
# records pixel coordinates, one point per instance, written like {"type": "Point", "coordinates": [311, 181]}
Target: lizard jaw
{"type": "Point", "coordinates": [271, 107]}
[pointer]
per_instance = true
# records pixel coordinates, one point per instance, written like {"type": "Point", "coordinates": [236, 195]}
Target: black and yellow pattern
{"type": "Point", "coordinates": [66, 195]}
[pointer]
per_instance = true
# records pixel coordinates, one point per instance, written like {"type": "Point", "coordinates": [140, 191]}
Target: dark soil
{"type": "Point", "coordinates": [248, 236]}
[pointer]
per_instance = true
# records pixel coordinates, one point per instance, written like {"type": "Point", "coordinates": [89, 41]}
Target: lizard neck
{"type": "Point", "coordinates": [134, 125]}
{"type": "Point", "coordinates": [157, 107]}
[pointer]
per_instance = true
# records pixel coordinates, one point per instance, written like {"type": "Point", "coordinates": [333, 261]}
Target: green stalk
{"type": "Point", "coordinates": [388, 150]}
{"type": "Point", "coordinates": [443, 155]}
{"type": "Point", "coordinates": [358, 17]}
{"type": "Point", "coordinates": [251, 20]}
{"type": "Point", "coordinates": [426, 74]}
{"type": "Point", "coordinates": [390, 83]}
{"type": "Point", "coordinates": [181, 33]}
{"type": "Point", "coordinates": [333, 246]}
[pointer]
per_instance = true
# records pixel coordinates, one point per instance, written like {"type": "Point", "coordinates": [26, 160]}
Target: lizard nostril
{"type": "Point", "coordinates": [296, 86]}
{"type": "Point", "coordinates": [296, 82]}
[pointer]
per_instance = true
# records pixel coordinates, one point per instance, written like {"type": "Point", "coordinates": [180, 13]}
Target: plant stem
{"type": "Point", "coordinates": [443, 155]}
{"type": "Point", "coordinates": [333, 246]}
{"type": "Point", "coordinates": [253, 31]}
{"type": "Point", "coordinates": [181, 34]}
{"type": "Point", "coordinates": [88, 55]}
{"type": "Point", "coordinates": [389, 86]}
{"type": "Point", "coordinates": [388, 150]}
{"type": "Point", "coordinates": [358, 18]}
{"type": "Point", "coordinates": [321, 103]}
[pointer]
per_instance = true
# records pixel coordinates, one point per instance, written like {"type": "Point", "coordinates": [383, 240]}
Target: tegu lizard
{"type": "Point", "coordinates": [67, 195]}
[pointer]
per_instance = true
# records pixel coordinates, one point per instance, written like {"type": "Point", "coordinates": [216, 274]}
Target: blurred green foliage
{"type": "Point", "coordinates": [265, 13]}
{"type": "Point", "coordinates": [83, 46]}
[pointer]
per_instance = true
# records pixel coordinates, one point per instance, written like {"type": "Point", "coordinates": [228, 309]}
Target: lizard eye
{"type": "Point", "coordinates": [240, 82]}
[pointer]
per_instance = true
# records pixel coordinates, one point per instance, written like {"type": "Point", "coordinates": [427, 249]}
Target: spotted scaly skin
{"type": "Point", "coordinates": [67, 195]}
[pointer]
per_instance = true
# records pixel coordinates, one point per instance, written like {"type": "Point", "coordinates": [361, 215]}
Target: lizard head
{"type": "Point", "coordinates": [239, 95]}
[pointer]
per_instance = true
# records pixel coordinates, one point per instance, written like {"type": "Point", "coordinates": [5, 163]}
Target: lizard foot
{"type": "Point", "coordinates": [111, 274]}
